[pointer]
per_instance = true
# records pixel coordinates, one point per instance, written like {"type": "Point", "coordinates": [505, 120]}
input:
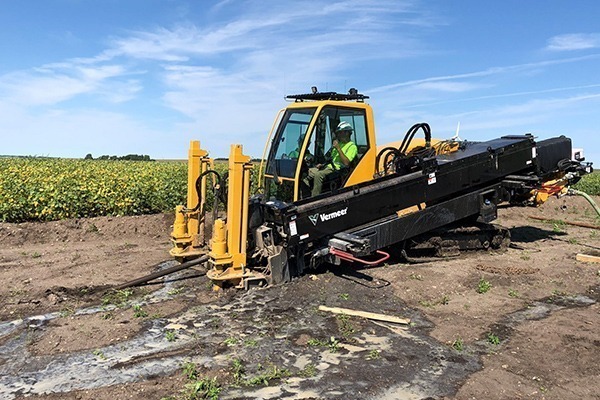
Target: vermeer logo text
{"type": "Point", "coordinates": [335, 214]}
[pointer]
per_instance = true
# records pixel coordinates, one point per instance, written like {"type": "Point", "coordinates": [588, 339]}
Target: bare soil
{"type": "Point", "coordinates": [533, 335]}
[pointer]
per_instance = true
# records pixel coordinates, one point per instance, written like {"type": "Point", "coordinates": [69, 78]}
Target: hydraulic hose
{"type": "Point", "coordinates": [389, 151]}
{"type": "Point", "coordinates": [587, 197]}
{"type": "Point", "coordinates": [218, 191]}
{"type": "Point", "coordinates": [390, 154]}
{"type": "Point", "coordinates": [411, 133]}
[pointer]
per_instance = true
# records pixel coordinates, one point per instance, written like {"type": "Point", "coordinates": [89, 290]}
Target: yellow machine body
{"type": "Point", "coordinates": [227, 246]}
{"type": "Point", "coordinates": [365, 168]}
{"type": "Point", "coordinates": [188, 228]}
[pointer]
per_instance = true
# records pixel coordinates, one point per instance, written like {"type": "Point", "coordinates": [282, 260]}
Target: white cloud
{"type": "Point", "coordinates": [574, 41]}
{"type": "Point", "coordinates": [55, 83]}
{"type": "Point", "coordinates": [274, 25]}
{"type": "Point", "coordinates": [501, 95]}
{"type": "Point", "coordinates": [517, 68]}
{"type": "Point", "coordinates": [455, 87]}
{"type": "Point", "coordinates": [224, 79]}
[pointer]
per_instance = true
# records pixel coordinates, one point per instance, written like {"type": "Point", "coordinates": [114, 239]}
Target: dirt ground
{"type": "Point", "coordinates": [532, 335]}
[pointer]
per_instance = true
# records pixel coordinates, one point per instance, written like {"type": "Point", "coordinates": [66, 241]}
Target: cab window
{"type": "Point", "coordinates": [320, 143]}
{"type": "Point", "coordinates": [287, 143]}
{"type": "Point", "coordinates": [322, 137]}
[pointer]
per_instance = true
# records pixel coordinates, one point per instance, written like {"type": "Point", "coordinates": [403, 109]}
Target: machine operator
{"type": "Point", "coordinates": [343, 151]}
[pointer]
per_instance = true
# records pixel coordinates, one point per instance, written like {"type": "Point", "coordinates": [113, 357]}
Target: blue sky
{"type": "Point", "coordinates": [146, 76]}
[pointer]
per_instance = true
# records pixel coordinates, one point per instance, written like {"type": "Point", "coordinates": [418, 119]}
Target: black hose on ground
{"type": "Point", "coordinates": [158, 274]}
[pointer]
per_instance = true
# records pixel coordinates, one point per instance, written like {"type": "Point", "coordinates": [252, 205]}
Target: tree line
{"type": "Point", "coordinates": [130, 157]}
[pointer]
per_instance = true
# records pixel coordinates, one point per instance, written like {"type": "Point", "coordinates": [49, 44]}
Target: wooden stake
{"type": "Point", "coordinates": [587, 258]}
{"type": "Point", "coordinates": [365, 314]}
{"type": "Point", "coordinates": [582, 224]}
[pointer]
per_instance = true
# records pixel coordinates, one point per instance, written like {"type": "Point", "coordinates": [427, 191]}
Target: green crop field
{"type": "Point", "coordinates": [34, 189]}
{"type": "Point", "coordinates": [589, 184]}
{"type": "Point", "coordinates": [39, 189]}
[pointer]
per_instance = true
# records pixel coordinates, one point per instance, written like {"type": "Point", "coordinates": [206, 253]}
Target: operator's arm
{"type": "Point", "coordinates": [346, 159]}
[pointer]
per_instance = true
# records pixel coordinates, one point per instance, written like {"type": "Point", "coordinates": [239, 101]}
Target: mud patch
{"type": "Point", "coordinates": [261, 329]}
{"type": "Point", "coordinates": [94, 331]}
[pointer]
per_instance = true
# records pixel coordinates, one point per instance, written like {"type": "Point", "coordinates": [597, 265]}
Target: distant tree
{"type": "Point", "coordinates": [129, 157]}
{"type": "Point", "coordinates": [88, 156]}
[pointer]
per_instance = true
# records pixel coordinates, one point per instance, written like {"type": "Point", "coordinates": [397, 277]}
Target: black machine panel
{"type": "Point", "coordinates": [551, 150]}
{"type": "Point", "coordinates": [477, 166]}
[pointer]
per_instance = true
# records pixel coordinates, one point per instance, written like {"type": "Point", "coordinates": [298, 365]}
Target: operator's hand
{"type": "Point", "coordinates": [336, 144]}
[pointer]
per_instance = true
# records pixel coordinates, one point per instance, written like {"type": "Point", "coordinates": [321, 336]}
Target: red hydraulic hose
{"type": "Point", "coordinates": [349, 257]}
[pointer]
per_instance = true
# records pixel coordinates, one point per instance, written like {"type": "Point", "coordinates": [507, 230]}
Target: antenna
{"type": "Point", "coordinates": [284, 85]}
{"type": "Point", "coordinates": [456, 137]}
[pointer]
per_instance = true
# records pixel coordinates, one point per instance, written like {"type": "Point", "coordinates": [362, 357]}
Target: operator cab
{"type": "Point", "coordinates": [304, 139]}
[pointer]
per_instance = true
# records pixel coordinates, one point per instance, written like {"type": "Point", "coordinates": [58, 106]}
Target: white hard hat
{"type": "Point", "coordinates": [344, 126]}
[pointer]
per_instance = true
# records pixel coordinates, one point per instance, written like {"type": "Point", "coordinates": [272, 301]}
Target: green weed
{"type": "Point", "coordinates": [426, 303]}
{"type": "Point", "coordinates": [107, 315]}
{"type": "Point", "coordinates": [197, 388]}
{"type": "Point", "coordinates": [483, 286]}
{"type": "Point", "coordinates": [374, 354]}
{"type": "Point", "coordinates": [332, 343]}
{"type": "Point", "coordinates": [345, 327]}
{"type": "Point", "coordinates": [170, 335]}
{"type": "Point", "coordinates": [92, 228]}
{"type": "Point", "coordinates": [138, 312]}
{"type": "Point", "coordinates": [273, 373]}
{"type": "Point", "coordinates": [238, 370]}
{"type": "Point", "coordinates": [205, 389]}
{"type": "Point", "coordinates": [558, 227]}
{"type": "Point", "coordinates": [458, 344]}
{"type": "Point", "coordinates": [190, 371]}
{"type": "Point", "coordinates": [309, 371]}
{"type": "Point", "coordinates": [65, 312]}
{"type": "Point", "coordinates": [493, 339]}
{"type": "Point", "coordinates": [117, 297]}
{"type": "Point", "coordinates": [175, 291]}
{"type": "Point", "coordinates": [316, 342]}
{"type": "Point", "coordinates": [98, 353]}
